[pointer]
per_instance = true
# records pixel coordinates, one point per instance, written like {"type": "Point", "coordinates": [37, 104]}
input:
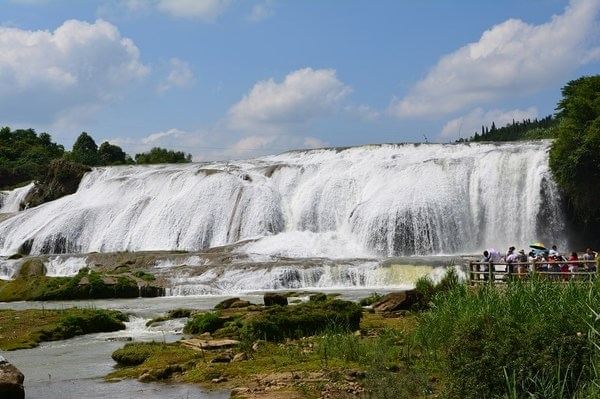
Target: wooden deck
{"type": "Point", "coordinates": [500, 272]}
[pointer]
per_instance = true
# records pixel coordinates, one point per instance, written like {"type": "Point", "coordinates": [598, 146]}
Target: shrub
{"type": "Point", "coordinates": [371, 299]}
{"type": "Point", "coordinates": [136, 353]}
{"type": "Point", "coordinates": [306, 319]}
{"type": "Point", "coordinates": [204, 322]}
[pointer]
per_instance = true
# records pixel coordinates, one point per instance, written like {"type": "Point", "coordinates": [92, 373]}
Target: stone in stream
{"type": "Point", "coordinates": [396, 301]}
{"type": "Point", "coordinates": [273, 298]}
{"type": "Point", "coordinates": [232, 303]}
{"type": "Point", "coordinates": [11, 381]}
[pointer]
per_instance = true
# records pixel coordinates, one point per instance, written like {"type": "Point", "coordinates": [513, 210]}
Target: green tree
{"type": "Point", "coordinates": [111, 154]}
{"type": "Point", "coordinates": [85, 150]}
{"type": "Point", "coordinates": [575, 154]}
{"type": "Point", "coordinates": [162, 155]}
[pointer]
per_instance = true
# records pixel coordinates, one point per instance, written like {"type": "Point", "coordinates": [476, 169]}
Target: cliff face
{"type": "Point", "coordinates": [63, 178]}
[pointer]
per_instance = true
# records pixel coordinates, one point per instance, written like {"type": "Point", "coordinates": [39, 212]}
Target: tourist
{"type": "Point", "coordinates": [521, 263]}
{"type": "Point", "coordinates": [573, 265]}
{"type": "Point", "coordinates": [554, 251]}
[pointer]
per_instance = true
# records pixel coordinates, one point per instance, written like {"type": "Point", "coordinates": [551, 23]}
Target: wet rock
{"type": "Point", "coordinates": [11, 381]}
{"type": "Point", "coordinates": [32, 267]}
{"type": "Point", "coordinates": [396, 301]}
{"type": "Point", "coordinates": [273, 298]}
{"type": "Point", "coordinates": [119, 339]}
{"type": "Point", "coordinates": [232, 303]}
{"type": "Point", "coordinates": [218, 380]}
{"type": "Point", "coordinates": [151, 291]}
{"type": "Point", "coordinates": [147, 377]}
{"type": "Point", "coordinates": [240, 357]}
{"type": "Point", "coordinates": [216, 344]}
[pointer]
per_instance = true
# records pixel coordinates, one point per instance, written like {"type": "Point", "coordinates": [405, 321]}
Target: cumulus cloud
{"type": "Point", "coordinates": [272, 107]}
{"type": "Point", "coordinates": [49, 76]}
{"type": "Point", "coordinates": [180, 76]}
{"type": "Point", "coordinates": [467, 125]}
{"type": "Point", "coordinates": [511, 58]}
{"type": "Point", "coordinates": [206, 10]}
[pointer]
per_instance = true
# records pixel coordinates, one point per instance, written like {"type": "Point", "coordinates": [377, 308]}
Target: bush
{"type": "Point", "coordinates": [371, 299]}
{"type": "Point", "coordinates": [85, 321]}
{"type": "Point", "coordinates": [427, 290]}
{"type": "Point", "coordinates": [528, 333]}
{"type": "Point", "coordinates": [306, 319]}
{"type": "Point", "coordinates": [134, 354]}
{"type": "Point", "coordinates": [204, 322]}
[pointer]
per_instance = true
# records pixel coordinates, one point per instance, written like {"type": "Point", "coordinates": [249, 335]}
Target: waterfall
{"type": "Point", "coordinates": [11, 200]}
{"type": "Point", "coordinates": [368, 201]}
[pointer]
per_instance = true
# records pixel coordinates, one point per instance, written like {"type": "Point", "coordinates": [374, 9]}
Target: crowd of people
{"type": "Point", "coordinates": [538, 259]}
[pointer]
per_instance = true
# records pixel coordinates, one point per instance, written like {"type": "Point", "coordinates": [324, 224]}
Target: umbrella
{"type": "Point", "coordinates": [538, 246]}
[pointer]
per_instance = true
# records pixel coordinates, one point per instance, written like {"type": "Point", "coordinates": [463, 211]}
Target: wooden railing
{"type": "Point", "coordinates": [501, 272]}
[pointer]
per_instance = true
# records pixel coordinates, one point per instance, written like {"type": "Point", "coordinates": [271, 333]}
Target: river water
{"type": "Point", "coordinates": [75, 368]}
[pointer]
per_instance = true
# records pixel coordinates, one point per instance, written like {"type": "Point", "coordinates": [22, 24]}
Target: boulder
{"type": "Point", "coordinates": [215, 344]}
{"type": "Point", "coordinates": [11, 381]}
{"type": "Point", "coordinates": [222, 358]}
{"type": "Point", "coordinates": [273, 298]}
{"type": "Point", "coordinates": [232, 303]}
{"type": "Point", "coordinates": [240, 357]}
{"type": "Point", "coordinates": [32, 267]}
{"type": "Point", "coordinates": [396, 301]}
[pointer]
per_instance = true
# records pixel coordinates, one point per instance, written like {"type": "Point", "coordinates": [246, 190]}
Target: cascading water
{"type": "Point", "coordinates": [379, 200]}
{"type": "Point", "coordinates": [10, 201]}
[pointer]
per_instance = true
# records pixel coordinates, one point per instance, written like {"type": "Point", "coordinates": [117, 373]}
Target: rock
{"type": "Point", "coordinates": [223, 358]}
{"type": "Point", "coordinates": [218, 380]}
{"type": "Point", "coordinates": [216, 344]}
{"type": "Point", "coordinates": [240, 357]}
{"type": "Point", "coordinates": [15, 256]}
{"type": "Point", "coordinates": [273, 298]}
{"type": "Point", "coordinates": [256, 345]}
{"type": "Point", "coordinates": [151, 291]}
{"type": "Point", "coordinates": [232, 303]}
{"type": "Point", "coordinates": [147, 377]}
{"type": "Point", "coordinates": [32, 267]}
{"type": "Point", "coordinates": [396, 301]}
{"type": "Point", "coordinates": [11, 381]}
{"type": "Point", "coordinates": [119, 339]}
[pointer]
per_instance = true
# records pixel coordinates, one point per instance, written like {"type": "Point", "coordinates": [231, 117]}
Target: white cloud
{"type": "Point", "coordinates": [261, 11]}
{"type": "Point", "coordinates": [206, 10]}
{"type": "Point", "coordinates": [511, 58]}
{"type": "Point", "coordinates": [304, 95]}
{"type": "Point", "coordinates": [467, 125]}
{"type": "Point", "coordinates": [53, 76]}
{"type": "Point", "coordinates": [180, 76]}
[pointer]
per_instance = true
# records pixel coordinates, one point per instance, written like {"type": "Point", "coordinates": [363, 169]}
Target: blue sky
{"type": "Point", "coordinates": [235, 79]}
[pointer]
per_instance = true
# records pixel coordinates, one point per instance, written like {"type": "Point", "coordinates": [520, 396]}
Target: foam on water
{"type": "Point", "coordinates": [11, 200]}
{"type": "Point", "coordinates": [383, 200]}
{"type": "Point", "coordinates": [9, 268]}
{"type": "Point", "coordinates": [59, 266]}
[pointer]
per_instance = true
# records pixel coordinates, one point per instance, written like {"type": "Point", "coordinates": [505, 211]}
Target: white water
{"type": "Point", "coordinates": [64, 267]}
{"type": "Point", "coordinates": [10, 200]}
{"type": "Point", "coordinates": [372, 200]}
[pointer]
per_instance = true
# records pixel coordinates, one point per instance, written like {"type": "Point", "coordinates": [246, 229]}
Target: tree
{"type": "Point", "coordinates": [162, 155]}
{"type": "Point", "coordinates": [111, 154]}
{"type": "Point", "coordinates": [575, 154]}
{"type": "Point", "coordinates": [85, 150]}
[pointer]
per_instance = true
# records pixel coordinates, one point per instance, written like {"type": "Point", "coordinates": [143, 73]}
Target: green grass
{"type": "Point", "coordinates": [528, 339]}
{"type": "Point", "coordinates": [27, 328]}
{"type": "Point", "coordinates": [204, 322]}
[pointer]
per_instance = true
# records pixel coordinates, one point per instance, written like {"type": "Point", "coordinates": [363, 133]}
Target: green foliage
{"type": "Point", "coordinates": [144, 275]}
{"type": "Point", "coordinates": [529, 334]}
{"type": "Point", "coordinates": [204, 322]}
{"type": "Point", "coordinates": [162, 155]}
{"type": "Point", "coordinates": [306, 319]}
{"type": "Point", "coordinates": [575, 154]}
{"type": "Point", "coordinates": [111, 154]}
{"type": "Point", "coordinates": [427, 290]}
{"type": "Point", "coordinates": [25, 155]}
{"type": "Point", "coordinates": [526, 129]}
{"type": "Point", "coordinates": [85, 150]}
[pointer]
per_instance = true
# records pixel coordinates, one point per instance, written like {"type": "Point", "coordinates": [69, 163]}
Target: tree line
{"type": "Point", "coordinates": [26, 155]}
{"type": "Point", "coordinates": [526, 129]}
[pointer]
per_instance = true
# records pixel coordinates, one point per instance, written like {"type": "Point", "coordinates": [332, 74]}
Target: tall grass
{"type": "Point", "coordinates": [528, 339]}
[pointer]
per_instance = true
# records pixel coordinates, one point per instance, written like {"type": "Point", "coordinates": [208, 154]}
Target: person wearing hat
{"type": "Point", "coordinates": [521, 263]}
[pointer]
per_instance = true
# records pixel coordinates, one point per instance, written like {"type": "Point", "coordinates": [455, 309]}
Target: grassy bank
{"type": "Point", "coordinates": [27, 328]}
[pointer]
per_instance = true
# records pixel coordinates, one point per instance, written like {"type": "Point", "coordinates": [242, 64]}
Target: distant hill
{"type": "Point", "coordinates": [526, 129]}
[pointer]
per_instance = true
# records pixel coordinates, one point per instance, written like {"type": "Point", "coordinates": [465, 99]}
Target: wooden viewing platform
{"type": "Point", "coordinates": [500, 272]}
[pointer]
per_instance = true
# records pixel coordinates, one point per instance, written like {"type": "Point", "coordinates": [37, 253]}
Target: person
{"type": "Point", "coordinates": [490, 256]}
{"type": "Point", "coordinates": [554, 251]}
{"type": "Point", "coordinates": [590, 256]}
{"type": "Point", "coordinates": [510, 258]}
{"type": "Point", "coordinates": [521, 263]}
{"type": "Point", "coordinates": [573, 265]}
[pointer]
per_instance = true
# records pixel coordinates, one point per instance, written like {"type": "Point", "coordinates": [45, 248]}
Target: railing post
{"type": "Point", "coordinates": [490, 275]}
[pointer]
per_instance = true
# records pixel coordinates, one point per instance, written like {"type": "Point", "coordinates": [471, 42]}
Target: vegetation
{"type": "Point", "coordinates": [26, 328]}
{"type": "Point", "coordinates": [171, 314]}
{"type": "Point", "coordinates": [27, 156]}
{"type": "Point", "coordinates": [575, 154]}
{"type": "Point", "coordinates": [204, 322]}
{"type": "Point", "coordinates": [526, 129]}
{"type": "Point", "coordinates": [85, 285]}
{"type": "Point", "coordinates": [162, 155]}
{"type": "Point", "coordinates": [279, 322]}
